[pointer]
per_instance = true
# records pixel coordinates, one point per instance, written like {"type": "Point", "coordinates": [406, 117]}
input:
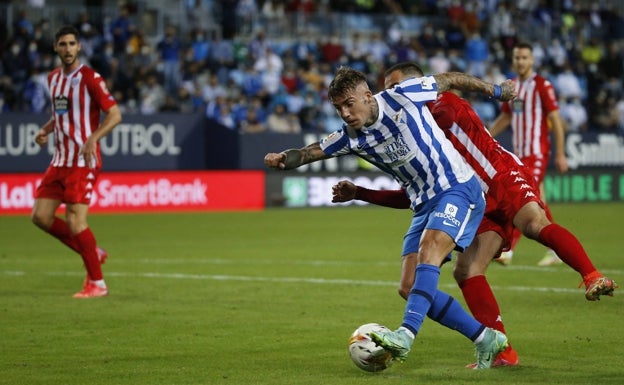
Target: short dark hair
{"type": "Point", "coordinates": [347, 79]}
{"type": "Point", "coordinates": [407, 68]}
{"type": "Point", "coordinates": [523, 45]}
{"type": "Point", "coordinates": [66, 30]}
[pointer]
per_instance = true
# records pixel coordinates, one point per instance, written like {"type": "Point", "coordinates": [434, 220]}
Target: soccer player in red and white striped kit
{"type": "Point", "coordinates": [532, 115]}
{"type": "Point", "coordinates": [78, 95]}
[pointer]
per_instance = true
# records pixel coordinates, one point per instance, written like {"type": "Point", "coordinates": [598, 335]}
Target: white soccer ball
{"type": "Point", "coordinates": [364, 353]}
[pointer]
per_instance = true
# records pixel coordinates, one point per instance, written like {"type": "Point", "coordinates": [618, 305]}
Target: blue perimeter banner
{"type": "Point", "coordinates": [140, 142]}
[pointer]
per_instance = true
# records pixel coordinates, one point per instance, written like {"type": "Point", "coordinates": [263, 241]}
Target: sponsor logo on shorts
{"type": "Point", "coordinates": [449, 215]}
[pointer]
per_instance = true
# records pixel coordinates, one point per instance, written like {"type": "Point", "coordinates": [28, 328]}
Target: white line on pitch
{"type": "Point", "coordinates": [318, 281]}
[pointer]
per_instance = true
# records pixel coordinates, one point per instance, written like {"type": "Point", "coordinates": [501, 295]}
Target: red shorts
{"type": "Point", "coordinates": [536, 167]}
{"type": "Point", "coordinates": [507, 194]}
{"type": "Point", "coordinates": [68, 184]}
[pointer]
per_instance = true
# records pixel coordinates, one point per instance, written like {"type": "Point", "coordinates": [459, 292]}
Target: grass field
{"type": "Point", "coordinates": [271, 298]}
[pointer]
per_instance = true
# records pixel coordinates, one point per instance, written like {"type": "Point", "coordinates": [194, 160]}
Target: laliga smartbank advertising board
{"type": "Point", "coordinates": [172, 191]}
{"type": "Point", "coordinates": [292, 189]}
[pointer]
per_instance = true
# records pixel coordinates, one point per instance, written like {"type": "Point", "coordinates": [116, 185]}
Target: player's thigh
{"type": "Point", "coordinates": [477, 257]}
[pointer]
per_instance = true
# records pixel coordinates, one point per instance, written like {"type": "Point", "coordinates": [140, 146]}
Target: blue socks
{"type": "Point", "coordinates": [426, 300]}
{"type": "Point", "coordinates": [421, 297]}
{"type": "Point", "coordinates": [446, 311]}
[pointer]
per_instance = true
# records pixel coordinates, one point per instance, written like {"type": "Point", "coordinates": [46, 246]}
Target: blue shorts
{"type": "Point", "coordinates": [457, 211]}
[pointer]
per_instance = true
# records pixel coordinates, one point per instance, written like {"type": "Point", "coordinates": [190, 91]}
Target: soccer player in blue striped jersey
{"type": "Point", "coordinates": [395, 131]}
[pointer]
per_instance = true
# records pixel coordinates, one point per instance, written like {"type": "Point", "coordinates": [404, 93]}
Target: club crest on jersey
{"type": "Point", "coordinates": [399, 117]}
{"type": "Point", "coordinates": [396, 149]}
{"type": "Point", "coordinates": [74, 82]}
{"type": "Point", "coordinates": [61, 105]}
{"type": "Point", "coordinates": [517, 105]}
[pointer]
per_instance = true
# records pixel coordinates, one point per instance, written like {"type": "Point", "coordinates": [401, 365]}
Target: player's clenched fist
{"type": "Point", "coordinates": [275, 160]}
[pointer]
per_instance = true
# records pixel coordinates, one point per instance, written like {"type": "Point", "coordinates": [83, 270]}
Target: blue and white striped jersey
{"type": "Point", "coordinates": [405, 142]}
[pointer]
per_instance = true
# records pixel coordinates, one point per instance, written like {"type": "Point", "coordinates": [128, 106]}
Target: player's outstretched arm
{"type": "Point", "coordinates": [293, 158]}
{"type": "Point", "coordinates": [465, 82]}
{"type": "Point", "coordinates": [345, 191]}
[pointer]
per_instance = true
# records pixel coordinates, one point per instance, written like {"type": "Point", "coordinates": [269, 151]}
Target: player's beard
{"type": "Point", "coordinates": [69, 61]}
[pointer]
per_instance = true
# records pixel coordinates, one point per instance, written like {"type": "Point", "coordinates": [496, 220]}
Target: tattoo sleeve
{"type": "Point", "coordinates": [305, 155]}
{"type": "Point", "coordinates": [463, 82]}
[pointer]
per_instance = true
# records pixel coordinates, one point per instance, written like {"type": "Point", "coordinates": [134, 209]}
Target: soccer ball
{"type": "Point", "coordinates": [364, 353]}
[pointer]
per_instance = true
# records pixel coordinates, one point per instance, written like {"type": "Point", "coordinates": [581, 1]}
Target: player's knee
{"type": "Point", "coordinates": [460, 275]}
{"type": "Point", "coordinates": [533, 228]}
{"type": "Point", "coordinates": [40, 219]}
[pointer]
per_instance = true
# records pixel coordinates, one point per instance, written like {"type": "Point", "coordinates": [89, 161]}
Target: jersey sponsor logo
{"type": "Point", "coordinates": [61, 104]}
{"type": "Point", "coordinates": [529, 194]}
{"type": "Point", "coordinates": [329, 137]}
{"type": "Point", "coordinates": [396, 149]}
{"type": "Point", "coordinates": [524, 186]}
{"type": "Point", "coordinates": [519, 179]}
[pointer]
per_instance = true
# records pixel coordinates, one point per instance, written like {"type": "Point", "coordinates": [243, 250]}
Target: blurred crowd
{"type": "Point", "coordinates": [254, 65]}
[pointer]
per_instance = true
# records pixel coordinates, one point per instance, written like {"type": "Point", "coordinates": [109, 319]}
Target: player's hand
{"type": "Point", "coordinates": [275, 161]}
{"type": "Point", "coordinates": [508, 90]}
{"type": "Point", "coordinates": [343, 191]}
{"type": "Point", "coordinates": [89, 152]}
{"type": "Point", "coordinates": [42, 138]}
{"type": "Point", "coordinates": [561, 163]}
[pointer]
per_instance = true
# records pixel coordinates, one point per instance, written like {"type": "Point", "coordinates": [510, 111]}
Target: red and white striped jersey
{"type": "Point", "coordinates": [77, 100]}
{"type": "Point", "coordinates": [529, 116]}
{"type": "Point", "coordinates": [463, 127]}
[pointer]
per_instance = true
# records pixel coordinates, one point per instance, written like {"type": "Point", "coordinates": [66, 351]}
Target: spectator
{"type": "Point", "coordinates": [477, 54]}
{"type": "Point", "coordinates": [151, 95]}
{"type": "Point", "coordinates": [35, 95]}
{"type": "Point", "coordinates": [226, 115]}
{"type": "Point", "coordinates": [332, 49]}
{"type": "Point", "coordinates": [439, 62]}
{"type": "Point", "coordinates": [16, 65]}
{"type": "Point", "coordinates": [121, 29]}
{"type": "Point", "coordinates": [619, 107]}
{"type": "Point", "coordinates": [568, 84]}
{"type": "Point", "coordinates": [252, 124]}
{"type": "Point", "coordinates": [574, 114]}
{"type": "Point", "coordinates": [200, 16]}
{"type": "Point", "coordinates": [170, 48]}
{"type": "Point", "coordinates": [170, 104]}
{"type": "Point", "coordinates": [605, 116]}
{"type": "Point", "coordinates": [270, 67]}
{"type": "Point", "coordinates": [213, 89]}
{"type": "Point", "coordinates": [280, 121]}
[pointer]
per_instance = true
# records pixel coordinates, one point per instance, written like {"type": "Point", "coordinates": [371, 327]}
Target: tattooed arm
{"type": "Point", "coordinates": [464, 82]}
{"type": "Point", "coordinates": [293, 158]}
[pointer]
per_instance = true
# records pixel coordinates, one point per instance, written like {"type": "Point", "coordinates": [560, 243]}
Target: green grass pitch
{"type": "Point", "coordinates": [271, 298]}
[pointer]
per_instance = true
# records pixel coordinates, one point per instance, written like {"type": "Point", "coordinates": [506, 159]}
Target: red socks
{"type": "Point", "coordinates": [481, 302]}
{"type": "Point", "coordinates": [567, 247]}
{"type": "Point", "coordinates": [83, 243]}
{"type": "Point", "coordinates": [60, 231]}
{"type": "Point", "coordinates": [86, 240]}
